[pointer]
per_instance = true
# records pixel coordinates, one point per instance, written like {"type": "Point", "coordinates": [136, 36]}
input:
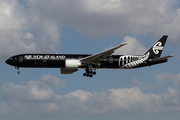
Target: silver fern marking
{"type": "Point", "coordinates": [129, 61]}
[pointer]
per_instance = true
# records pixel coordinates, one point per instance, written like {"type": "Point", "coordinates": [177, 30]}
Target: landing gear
{"type": "Point", "coordinates": [89, 73]}
{"type": "Point", "coordinates": [18, 72]}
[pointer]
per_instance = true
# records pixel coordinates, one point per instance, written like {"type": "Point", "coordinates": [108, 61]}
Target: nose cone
{"type": "Point", "coordinates": [8, 61]}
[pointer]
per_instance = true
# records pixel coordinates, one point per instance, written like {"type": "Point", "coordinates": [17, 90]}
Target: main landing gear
{"type": "Point", "coordinates": [18, 72]}
{"type": "Point", "coordinates": [89, 73]}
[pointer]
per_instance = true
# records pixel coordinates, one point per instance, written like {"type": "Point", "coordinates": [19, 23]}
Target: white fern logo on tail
{"type": "Point", "coordinates": [158, 46]}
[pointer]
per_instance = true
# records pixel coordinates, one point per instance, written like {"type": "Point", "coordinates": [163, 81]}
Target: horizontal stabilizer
{"type": "Point", "coordinates": [160, 58]}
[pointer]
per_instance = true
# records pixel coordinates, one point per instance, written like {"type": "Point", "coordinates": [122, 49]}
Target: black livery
{"type": "Point", "coordinates": [70, 63]}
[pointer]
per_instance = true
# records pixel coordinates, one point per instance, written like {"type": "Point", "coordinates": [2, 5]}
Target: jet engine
{"type": "Point", "coordinates": [68, 71]}
{"type": "Point", "coordinates": [72, 64]}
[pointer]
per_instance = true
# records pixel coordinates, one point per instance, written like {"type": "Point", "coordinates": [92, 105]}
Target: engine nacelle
{"type": "Point", "coordinates": [72, 64]}
{"type": "Point", "coordinates": [68, 71]}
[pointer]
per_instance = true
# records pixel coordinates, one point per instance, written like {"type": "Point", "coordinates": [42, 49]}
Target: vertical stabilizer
{"type": "Point", "coordinates": [156, 50]}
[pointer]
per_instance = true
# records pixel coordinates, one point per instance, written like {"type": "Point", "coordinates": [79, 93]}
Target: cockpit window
{"type": "Point", "coordinates": [10, 58]}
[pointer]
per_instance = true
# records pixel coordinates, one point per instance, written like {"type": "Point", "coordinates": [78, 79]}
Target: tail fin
{"type": "Point", "coordinates": [156, 50]}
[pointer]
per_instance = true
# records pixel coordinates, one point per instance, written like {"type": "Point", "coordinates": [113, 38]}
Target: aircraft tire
{"type": "Point", "coordinates": [90, 76]}
{"type": "Point", "coordinates": [87, 75]}
{"type": "Point", "coordinates": [94, 73]}
{"type": "Point", "coordinates": [84, 74]}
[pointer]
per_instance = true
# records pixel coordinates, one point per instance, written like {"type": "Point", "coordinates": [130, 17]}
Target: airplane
{"type": "Point", "coordinates": [70, 63]}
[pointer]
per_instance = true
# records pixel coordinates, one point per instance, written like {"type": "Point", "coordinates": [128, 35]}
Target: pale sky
{"type": "Point", "coordinates": [89, 27]}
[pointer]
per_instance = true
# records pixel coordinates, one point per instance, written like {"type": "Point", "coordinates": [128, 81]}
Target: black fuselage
{"type": "Point", "coordinates": [56, 60]}
{"type": "Point", "coordinates": [59, 61]}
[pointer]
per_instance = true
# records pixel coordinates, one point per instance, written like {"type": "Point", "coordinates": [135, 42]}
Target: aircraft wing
{"type": "Point", "coordinates": [161, 58]}
{"type": "Point", "coordinates": [100, 56]}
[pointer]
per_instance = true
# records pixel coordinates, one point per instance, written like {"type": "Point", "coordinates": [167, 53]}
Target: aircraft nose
{"type": "Point", "coordinates": [8, 61]}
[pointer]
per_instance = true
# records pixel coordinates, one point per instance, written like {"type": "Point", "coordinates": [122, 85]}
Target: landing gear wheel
{"type": "Point", "coordinates": [90, 76]}
{"type": "Point", "coordinates": [89, 73]}
{"type": "Point", "coordinates": [84, 74]}
{"type": "Point", "coordinates": [18, 72]}
{"type": "Point", "coordinates": [94, 73]}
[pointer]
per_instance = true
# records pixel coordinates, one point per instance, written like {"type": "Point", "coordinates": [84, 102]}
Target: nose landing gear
{"type": "Point", "coordinates": [18, 72]}
{"type": "Point", "coordinates": [89, 73]}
